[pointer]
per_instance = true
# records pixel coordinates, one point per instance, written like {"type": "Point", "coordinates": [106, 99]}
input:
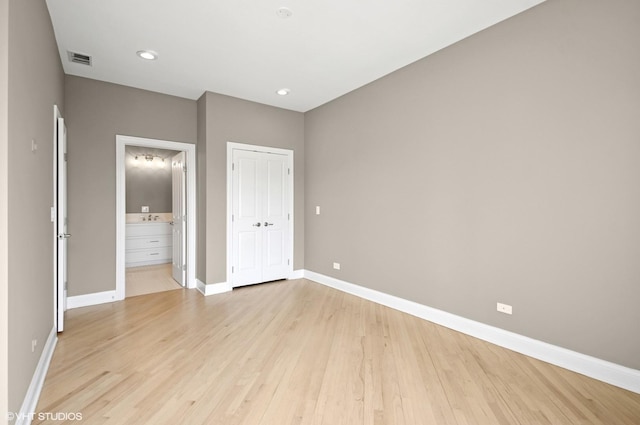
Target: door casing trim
{"type": "Point", "coordinates": [191, 254]}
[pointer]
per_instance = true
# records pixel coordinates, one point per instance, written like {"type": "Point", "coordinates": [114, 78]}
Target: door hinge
{"type": "Point", "coordinates": [289, 171]}
{"type": "Point", "coordinates": [233, 166]}
{"type": "Point", "coordinates": [233, 217]}
{"type": "Point", "coordinates": [233, 269]}
{"type": "Point", "coordinates": [288, 216]}
{"type": "Point", "coordinates": [184, 168]}
{"type": "Point", "coordinates": [288, 262]}
{"type": "Point", "coordinates": [65, 157]}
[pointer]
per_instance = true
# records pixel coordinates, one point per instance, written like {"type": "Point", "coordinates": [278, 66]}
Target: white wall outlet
{"type": "Point", "coordinates": [145, 208]}
{"type": "Point", "coordinates": [34, 343]}
{"type": "Point", "coordinates": [317, 210]}
{"type": "Point", "coordinates": [336, 266]}
{"type": "Point", "coordinates": [504, 308]}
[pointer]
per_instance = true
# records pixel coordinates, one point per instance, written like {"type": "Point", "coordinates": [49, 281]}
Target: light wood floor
{"type": "Point", "coordinates": [149, 279]}
{"type": "Point", "coordinates": [296, 352]}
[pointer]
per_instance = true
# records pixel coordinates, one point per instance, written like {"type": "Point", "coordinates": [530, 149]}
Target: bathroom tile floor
{"type": "Point", "coordinates": [149, 279]}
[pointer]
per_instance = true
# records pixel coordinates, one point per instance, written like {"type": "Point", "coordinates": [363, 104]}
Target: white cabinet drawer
{"type": "Point", "coordinates": [148, 229]}
{"type": "Point", "coordinates": [148, 256]}
{"type": "Point", "coordinates": [149, 242]}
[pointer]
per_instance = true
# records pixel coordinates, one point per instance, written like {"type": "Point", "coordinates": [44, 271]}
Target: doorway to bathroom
{"type": "Point", "coordinates": [155, 216]}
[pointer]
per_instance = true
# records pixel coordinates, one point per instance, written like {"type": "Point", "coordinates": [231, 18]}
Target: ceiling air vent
{"type": "Point", "coordinates": [79, 58]}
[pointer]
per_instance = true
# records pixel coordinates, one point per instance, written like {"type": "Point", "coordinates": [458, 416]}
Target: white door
{"type": "Point", "coordinates": [179, 217]}
{"type": "Point", "coordinates": [260, 217]}
{"type": "Point", "coordinates": [61, 222]}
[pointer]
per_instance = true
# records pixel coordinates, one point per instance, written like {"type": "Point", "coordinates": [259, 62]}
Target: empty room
{"type": "Point", "coordinates": [337, 212]}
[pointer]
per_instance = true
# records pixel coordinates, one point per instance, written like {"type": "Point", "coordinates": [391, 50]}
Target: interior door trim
{"type": "Point", "coordinates": [191, 254]}
{"type": "Point", "coordinates": [231, 146]}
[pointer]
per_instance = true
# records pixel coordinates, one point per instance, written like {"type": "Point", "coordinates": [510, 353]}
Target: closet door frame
{"type": "Point", "coordinates": [231, 146]}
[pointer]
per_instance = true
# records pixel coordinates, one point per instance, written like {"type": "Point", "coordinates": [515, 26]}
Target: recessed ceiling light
{"type": "Point", "coordinates": [284, 12]}
{"type": "Point", "coordinates": [147, 54]}
{"type": "Point", "coordinates": [283, 92]}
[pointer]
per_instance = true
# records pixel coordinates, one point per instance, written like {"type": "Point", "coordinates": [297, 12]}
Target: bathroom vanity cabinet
{"type": "Point", "coordinates": [148, 243]}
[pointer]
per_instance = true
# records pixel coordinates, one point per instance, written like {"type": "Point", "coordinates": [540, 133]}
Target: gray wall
{"type": "Point", "coordinates": [503, 168]}
{"type": "Point", "coordinates": [96, 112]}
{"type": "Point", "coordinates": [146, 183]}
{"type": "Point", "coordinates": [234, 120]}
{"type": "Point", "coordinates": [35, 84]}
{"type": "Point", "coordinates": [4, 210]}
{"type": "Point", "coordinates": [201, 152]}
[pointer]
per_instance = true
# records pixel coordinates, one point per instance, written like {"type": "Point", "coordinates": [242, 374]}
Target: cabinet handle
{"type": "Point", "coordinates": [154, 241]}
{"type": "Point", "coordinates": [155, 253]}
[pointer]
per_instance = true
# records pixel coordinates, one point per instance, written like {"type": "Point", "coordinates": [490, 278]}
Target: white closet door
{"type": "Point", "coordinates": [260, 234]}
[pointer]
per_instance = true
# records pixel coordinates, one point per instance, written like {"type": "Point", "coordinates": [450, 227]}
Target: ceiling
{"type": "Point", "coordinates": [245, 49]}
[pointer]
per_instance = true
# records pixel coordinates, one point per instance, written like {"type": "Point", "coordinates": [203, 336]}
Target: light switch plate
{"type": "Point", "coordinates": [145, 208]}
{"type": "Point", "coordinates": [504, 308]}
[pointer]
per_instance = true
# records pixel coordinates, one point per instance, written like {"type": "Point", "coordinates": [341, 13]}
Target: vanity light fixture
{"type": "Point", "coordinates": [283, 92]}
{"type": "Point", "coordinates": [147, 54]}
{"type": "Point", "coordinates": [147, 157]}
{"type": "Point", "coordinates": [150, 159]}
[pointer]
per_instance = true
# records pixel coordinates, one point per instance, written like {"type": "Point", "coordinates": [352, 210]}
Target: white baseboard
{"type": "Point", "coordinates": [611, 373]}
{"type": "Point", "coordinates": [28, 408]}
{"type": "Point", "coordinates": [91, 299]}
{"type": "Point", "coordinates": [296, 274]}
{"type": "Point", "coordinates": [212, 288]}
{"type": "Point", "coordinates": [222, 287]}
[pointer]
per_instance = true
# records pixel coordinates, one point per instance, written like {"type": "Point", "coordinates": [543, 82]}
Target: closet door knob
{"type": "Point", "coordinates": [258, 224]}
{"type": "Point", "coordinates": [267, 224]}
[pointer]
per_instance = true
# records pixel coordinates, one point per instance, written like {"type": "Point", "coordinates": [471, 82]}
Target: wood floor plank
{"type": "Point", "coordinates": [299, 353]}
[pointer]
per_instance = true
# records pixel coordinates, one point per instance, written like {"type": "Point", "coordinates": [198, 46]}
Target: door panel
{"type": "Point", "coordinates": [247, 225]}
{"type": "Point", "coordinates": [276, 169]}
{"type": "Point", "coordinates": [249, 260]}
{"type": "Point", "coordinates": [178, 191]}
{"type": "Point", "coordinates": [275, 243]}
{"type": "Point", "coordinates": [276, 218]}
{"type": "Point", "coordinates": [61, 222]}
{"type": "Point", "coordinates": [260, 214]}
{"type": "Point", "coordinates": [248, 189]}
